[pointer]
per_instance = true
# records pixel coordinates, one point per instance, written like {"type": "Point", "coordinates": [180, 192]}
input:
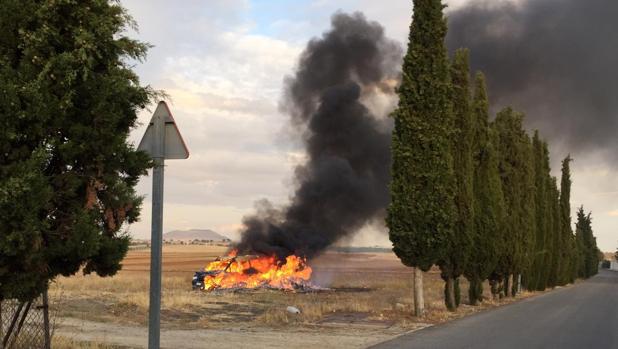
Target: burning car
{"type": "Point", "coordinates": [251, 272]}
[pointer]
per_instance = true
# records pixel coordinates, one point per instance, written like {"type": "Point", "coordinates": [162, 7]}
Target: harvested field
{"type": "Point", "coordinates": [369, 300]}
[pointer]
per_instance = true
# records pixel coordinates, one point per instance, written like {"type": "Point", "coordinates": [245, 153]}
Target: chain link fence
{"type": "Point", "coordinates": [24, 325]}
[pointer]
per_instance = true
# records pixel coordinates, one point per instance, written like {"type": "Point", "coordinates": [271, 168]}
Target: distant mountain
{"type": "Point", "coordinates": [193, 234]}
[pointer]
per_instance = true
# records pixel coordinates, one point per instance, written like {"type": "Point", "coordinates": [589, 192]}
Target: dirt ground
{"type": "Point", "coordinates": [368, 300]}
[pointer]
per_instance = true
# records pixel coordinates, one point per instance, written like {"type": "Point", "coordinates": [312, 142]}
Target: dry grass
{"type": "Point", "coordinates": [371, 287]}
{"type": "Point", "coordinates": [60, 342]}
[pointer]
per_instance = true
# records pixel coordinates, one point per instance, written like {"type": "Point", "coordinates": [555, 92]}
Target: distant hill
{"type": "Point", "coordinates": [194, 234]}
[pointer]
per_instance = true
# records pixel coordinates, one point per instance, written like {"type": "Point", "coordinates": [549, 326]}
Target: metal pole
{"type": "Point", "coordinates": [157, 235]}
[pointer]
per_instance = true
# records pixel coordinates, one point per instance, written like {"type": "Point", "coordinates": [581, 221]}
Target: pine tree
{"type": "Point", "coordinates": [421, 213]}
{"type": "Point", "coordinates": [68, 100]}
{"type": "Point", "coordinates": [488, 199]}
{"type": "Point", "coordinates": [458, 248]}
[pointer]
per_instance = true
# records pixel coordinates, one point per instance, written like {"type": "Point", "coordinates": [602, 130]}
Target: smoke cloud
{"type": "Point", "coordinates": [334, 102]}
{"type": "Point", "coordinates": [553, 59]}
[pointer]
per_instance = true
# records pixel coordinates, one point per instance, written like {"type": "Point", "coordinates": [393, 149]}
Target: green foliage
{"type": "Point", "coordinates": [589, 250]}
{"type": "Point", "coordinates": [554, 231]}
{"type": "Point", "coordinates": [68, 100]}
{"type": "Point", "coordinates": [474, 197]}
{"type": "Point", "coordinates": [516, 174]}
{"type": "Point", "coordinates": [558, 256]}
{"type": "Point", "coordinates": [462, 163]}
{"type": "Point", "coordinates": [580, 248]}
{"type": "Point", "coordinates": [537, 278]}
{"type": "Point", "coordinates": [488, 198]}
{"type": "Point", "coordinates": [568, 273]}
{"type": "Point", "coordinates": [422, 211]}
{"type": "Point", "coordinates": [458, 247]}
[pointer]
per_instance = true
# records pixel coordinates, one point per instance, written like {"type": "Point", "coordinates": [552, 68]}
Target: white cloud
{"type": "Point", "coordinates": [595, 187]}
{"type": "Point", "coordinates": [224, 84]}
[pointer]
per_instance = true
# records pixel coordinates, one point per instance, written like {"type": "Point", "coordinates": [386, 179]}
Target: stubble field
{"type": "Point", "coordinates": [368, 300]}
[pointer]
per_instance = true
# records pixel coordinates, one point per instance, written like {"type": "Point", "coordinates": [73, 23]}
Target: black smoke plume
{"type": "Point", "coordinates": [344, 183]}
{"type": "Point", "coordinates": [556, 60]}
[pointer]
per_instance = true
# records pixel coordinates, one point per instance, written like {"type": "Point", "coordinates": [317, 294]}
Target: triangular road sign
{"type": "Point", "coordinates": [169, 144]}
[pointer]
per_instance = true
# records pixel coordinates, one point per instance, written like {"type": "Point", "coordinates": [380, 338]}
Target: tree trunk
{"type": "Point", "coordinates": [457, 293]}
{"type": "Point", "coordinates": [493, 284]}
{"type": "Point", "coordinates": [449, 294]}
{"type": "Point", "coordinates": [516, 284]}
{"type": "Point", "coordinates": [479, 290]}
{"type": "Point", "coordinates": [419, 301]}
{"type": "Point", "coordinates": [507, 285]}
{"type": "Point", "coordinates": [472, 298]}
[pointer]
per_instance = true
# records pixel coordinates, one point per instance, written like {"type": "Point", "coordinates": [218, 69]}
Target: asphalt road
{"type": "Point", "coordinates": [581, 316]}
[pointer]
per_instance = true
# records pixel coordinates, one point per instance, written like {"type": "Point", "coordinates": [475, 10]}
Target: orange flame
{"type": "Point", "coordinates": [256, 271]}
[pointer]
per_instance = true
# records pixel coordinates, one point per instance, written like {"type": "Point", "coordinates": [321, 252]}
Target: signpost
{"type": "Point", "coordinates": [161, 141]}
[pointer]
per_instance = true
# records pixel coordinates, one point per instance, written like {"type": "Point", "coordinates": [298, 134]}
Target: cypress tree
{"type": "Point", "coordinates": [515, 173]}
{"type": "Point", "coordinates": [537, 279]}
{"type": "Point", "coordinates": [67, 173]}
{"type": "Point", "coordinates": [579, 244]}
{"type": "Point", "coordinates": [421, 213]}
{"type": "Point", "coordinates": [547, 215]}
{"type": "Point", "coordinates": [458, 248]}
{"type": "Point", "coordinates": [502, 249]}
{"type": "Point", "coordinates": [528, 222]}
{"type": "Point", "coordinates": [555, 232]}
{"type": "Point", "coordinates": [590, 250]}
{"type": "Point", "coordinates": [581, 233]}
{"type": "Point", "coordinates": [571, 271]}
{"type": "Point", "coordinates": [569, 254]}
{"type": "Point", "coordinates": [488, 200]}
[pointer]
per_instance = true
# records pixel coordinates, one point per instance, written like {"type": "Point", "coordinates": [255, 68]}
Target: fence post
{"type": "Point", "coordinates": [46, 320]}
{"type": "Point", "coordinates": [11, 326]}
{"type": "Point", "coordinates": [20, 324]}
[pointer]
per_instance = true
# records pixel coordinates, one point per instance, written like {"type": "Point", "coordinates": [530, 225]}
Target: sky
{"type": "Point", "coordinates": [222, 64]}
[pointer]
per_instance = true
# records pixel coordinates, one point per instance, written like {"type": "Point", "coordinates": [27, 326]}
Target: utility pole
{"type": "Point", "coordinates": [161, 141]}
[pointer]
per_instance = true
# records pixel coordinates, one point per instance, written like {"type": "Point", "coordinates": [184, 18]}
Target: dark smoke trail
{"type": "Point", "coordinates": [554, 59]}
{"type": "Point", "coordinates": [344, 183]}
